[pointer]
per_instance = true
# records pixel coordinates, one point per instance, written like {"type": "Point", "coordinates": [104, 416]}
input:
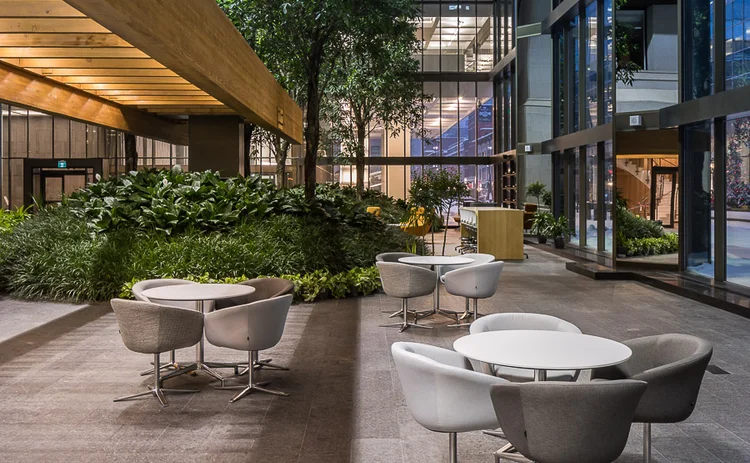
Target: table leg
{"type": "Point", "coordinates": [200, 353]}
{"type": "Point", "coordinates": [540, 375]}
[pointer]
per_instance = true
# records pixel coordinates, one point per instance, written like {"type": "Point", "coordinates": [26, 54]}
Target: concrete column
{"type": "Point", "coordinates": [216, 143]}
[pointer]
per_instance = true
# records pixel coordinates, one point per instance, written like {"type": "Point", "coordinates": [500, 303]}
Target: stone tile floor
{"type": "Point", "coordinates": [57, 384]}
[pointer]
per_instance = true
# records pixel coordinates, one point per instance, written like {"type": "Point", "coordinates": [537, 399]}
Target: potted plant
{"type": "Point", "coordinates": [536, 190]}
{"type": "Point", "coordinates": [542, 222]}
{"type": "Point", "coordinates": [560, 230]}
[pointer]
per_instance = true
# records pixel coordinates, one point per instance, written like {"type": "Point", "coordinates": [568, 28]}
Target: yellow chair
{"type": "Point", "coordinates": [374, 210]}
{"type": "Point", "coordinates": [418, 224]}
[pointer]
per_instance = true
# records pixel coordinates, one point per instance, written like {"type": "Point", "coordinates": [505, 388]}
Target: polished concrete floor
{"type": "Point", "coordinates": [57, 384]}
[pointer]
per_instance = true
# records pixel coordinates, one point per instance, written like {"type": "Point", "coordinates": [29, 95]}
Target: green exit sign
{"type": "Point", "coordinates": [62, 164]}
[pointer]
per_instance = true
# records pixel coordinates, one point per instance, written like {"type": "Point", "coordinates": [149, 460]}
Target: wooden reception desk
{"type": "Point", "coordinates": [498, 231]}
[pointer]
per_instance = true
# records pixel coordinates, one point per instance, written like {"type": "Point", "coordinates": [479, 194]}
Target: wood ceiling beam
{"type": "Point", "coordinates": [177, 110]}
{"type": "Point", "coordinates": [167, 103]}
{"type": "Point", "coordinates": [45, 8]}
{"type": "Point", "coordinates": [98, 87]}
{"type": "Point", "coordinates": [31, 90]}
{"type": "Point", "coordinates": [115, 93]}
{"type": "Point", "coordinates": [67, 72]}
{"type": "Point", "coordinates": [222, 64]}
{"type": "Point", "coordinates": [52, 25]}
{"type": "Point", "coordinates": [83, 63]}
{"type": "Point", "coordinates": [119, 80]}
{"type": "Point", "coordinates": [61, 40]}
{"type": "Point", "coordinates": [72, 52]}
{"type": "Point", "coordinates": [127, 98]}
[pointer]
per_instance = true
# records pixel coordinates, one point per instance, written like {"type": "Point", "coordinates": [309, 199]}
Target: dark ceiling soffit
{"type": "Point", "coordinates": [565, 11]}
{"type": "Point", "coordinates": [413, 161]}
{"type": "Point", "coordinates": [507, 60]}
{"type": "Point", "coordinates": [582, 138]}
{"type": "Point", "coordinates": [441, 76]}
{"type": "Point", "coordinates": [709, 107]}
{"type": "Point", "coordinates": [536, 148]}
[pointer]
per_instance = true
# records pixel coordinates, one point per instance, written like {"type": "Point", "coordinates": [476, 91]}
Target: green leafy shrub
{"type": "Point", "coordinates": [173, 202]}
{"type": "Point", "coordinates": [55, 256]}
{"type": "Point", "coordinates": [9, 219]}
{"type": "Point", "coordinates": [308, 287]}
{"type": "Point", "coordinates": [667, 244]}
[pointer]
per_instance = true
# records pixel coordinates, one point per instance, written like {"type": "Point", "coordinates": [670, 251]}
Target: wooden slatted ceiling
{"type": "Point", "coordinates": [54, 39]}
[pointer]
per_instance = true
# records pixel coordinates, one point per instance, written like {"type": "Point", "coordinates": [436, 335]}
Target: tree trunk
{"type": "Point", "coordinates": [247, 147]}
{"type": "Point", "coordinates": [447, 218]}
{"type": "Point", "coordinates": [281, 151]}
{"type": "Point", "coordinates": [131, 155]}
{"type": "Point", "coordinates": [360, 159]}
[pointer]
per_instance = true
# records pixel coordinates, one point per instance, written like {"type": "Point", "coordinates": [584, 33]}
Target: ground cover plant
{"type": "Point", "coordinates": [637, 236]}
{"type": "Point", "coordinates": [194, 225]}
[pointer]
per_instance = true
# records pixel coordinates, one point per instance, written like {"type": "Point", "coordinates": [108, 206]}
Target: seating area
{"type": "Point", "coordinates": [349, 399]}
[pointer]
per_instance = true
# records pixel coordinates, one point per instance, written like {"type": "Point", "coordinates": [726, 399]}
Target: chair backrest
{"type": "Point", "coordinates": [479, 281]}
{"type": "Point", "coordinates": [673, 365]}
{"type": "Point", "coordinates": [442, 392]}
{"type": "Point", "coordinates": [265, 288]}
{"type": "Point", "coordinates": [522, 321]}
{"type": "Point", "coordinates": [249, 327]}
{"type": "Point", "coordinates": [152, 328]}
{"type": "Point", "coordinates": [556, 422]}
{"type": "Point", "coordinates": [392, 256]}
{"type": "Point", "coordinates": [404, 281]}
{"type": "Point", "coordinates": [142, 286]}
{"type": "Point", "coordinates": [478, 258]}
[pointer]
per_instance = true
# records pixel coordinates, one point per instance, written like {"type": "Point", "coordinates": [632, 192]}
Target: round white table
{"type": "Point", "coordinates": [542, 350]}
{"type": "Point", "coordinates": [199, 293]}
{"type": "Point", "coordinates": [437, 262]}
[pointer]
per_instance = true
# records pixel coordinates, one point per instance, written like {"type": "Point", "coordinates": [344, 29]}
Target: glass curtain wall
{"type": "Point", "coordinates": [461, 42]}
{"type": "Point", "coordinates": [584, 99]}
{"type": "Point", "coordinates": [699, 241]}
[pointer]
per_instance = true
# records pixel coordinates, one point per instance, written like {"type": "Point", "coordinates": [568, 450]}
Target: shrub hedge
{"type": "Point", "coordinates": [87, 249]}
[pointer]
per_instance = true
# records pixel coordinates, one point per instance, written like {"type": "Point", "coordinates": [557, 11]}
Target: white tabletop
{"type": "Point", "coordinates": [542, 350]}
{"type": "Point", "coordinates": [198, 292]}
{"type": "Point", "coordinates": [436, 260]}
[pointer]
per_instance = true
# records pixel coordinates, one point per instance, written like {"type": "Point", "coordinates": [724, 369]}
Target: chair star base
{"type": "Point", "coordinates": [252, 385]}
{"type": "Point", "coordinates": [156, 390]}
{"type": "Point", "coordinates": [405, 326]}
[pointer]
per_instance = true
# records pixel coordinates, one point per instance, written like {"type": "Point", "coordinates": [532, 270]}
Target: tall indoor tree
{"type": "Point", "coordinates": [375, 79]}
{"type": "Point", "coordinates": [303, 39]}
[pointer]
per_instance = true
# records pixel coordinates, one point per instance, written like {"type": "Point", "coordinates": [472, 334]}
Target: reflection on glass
{"type": "Point", "coordinates": [574, 180]}
{"type": "Point", "coordinates": [591, 101]}
{"type": "Point", "coordinates": [738, 200]}
{"type": "Point", "coordinates": [737, 26]}
{"type": "Point", "coordinates": [574, 54]}
{"type": "Point", "coordinates": [699, 218]}
{"type": "Point", "coordinates": [698, 41]}
{"type": "Point", "coordinates": [592, 204]}
{"type": "Point", "coordinates": [609, 194]}
{"type": "Point", "coordinates": [608, 62]}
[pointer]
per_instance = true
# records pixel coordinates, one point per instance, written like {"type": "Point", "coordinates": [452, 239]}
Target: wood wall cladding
{"type": "Point", "coordinates": [163, 57]}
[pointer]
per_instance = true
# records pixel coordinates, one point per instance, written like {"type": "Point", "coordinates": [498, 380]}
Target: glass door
{"type": "Point", "coordinates": [664, 195]}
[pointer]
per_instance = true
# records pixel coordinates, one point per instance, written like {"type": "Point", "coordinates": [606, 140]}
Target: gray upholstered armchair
{"type": "Point", "coordinates": [474, 282]}
{"type": "Point", "coordinates": [442, 392]}
{"type": "Point", "coordinates": [552, 422]}
{"type": "Point", "coordinates": [250, 328]}
{"type": "Point", "coordinates": [523, 321]}
{"type": "Point", "coordinates": [142, 286]}
{"type": "Point", "coordinates": [152, 329]}
{"type": "Point", "coordinates": [405, 282]}
{"type": "Point", "coordinates": [673, 365]}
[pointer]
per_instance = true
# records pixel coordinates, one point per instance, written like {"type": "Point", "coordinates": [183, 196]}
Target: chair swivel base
{"type": "Point", "coordinates": [252, 385]}
{"type": "Point", "coordinates": [249, 389]}
{"type": "Point", "coordinates": [263, 364]}
{"type": "Point", "coordinates": [157, 392]}
{"type": "Point", "coordinates": [405, 326]}
{"type": "Point", "coordinates": [172, 365]}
